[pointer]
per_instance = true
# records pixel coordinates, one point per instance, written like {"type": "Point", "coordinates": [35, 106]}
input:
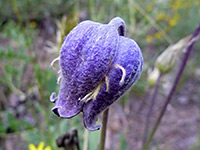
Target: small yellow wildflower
{"type": "Point", "coordinates": [174, 20]}
{"type": "Point", "coordinates": [149, 38]}
{"type": "Point", "coordinates": [40, 147]}
{"type": "Point", "coordinates": [158, 35]}
{"type": "Point", "coordinates": [161, 16]}
{"type": "Point", "coordinates": [177, 4]}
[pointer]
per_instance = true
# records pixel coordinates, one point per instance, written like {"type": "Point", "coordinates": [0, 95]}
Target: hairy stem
{"type": "Point", "coordinates": [103, 130]}
{"type": "Point", "coordinates": [168, 99]}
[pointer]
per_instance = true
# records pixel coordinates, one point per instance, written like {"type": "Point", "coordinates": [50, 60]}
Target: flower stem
{"type": "Point", "coordinates": [86, 140]}
{"type": "Point", "coordinates": [168, 99]}
{"type": "Point", "coordinates": [103, 130]}
{"type": "Point", "coordinates": [152, 103]}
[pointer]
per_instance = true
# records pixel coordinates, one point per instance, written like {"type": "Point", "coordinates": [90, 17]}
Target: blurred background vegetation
{"type": "Point", "coordinates": [31, 33]}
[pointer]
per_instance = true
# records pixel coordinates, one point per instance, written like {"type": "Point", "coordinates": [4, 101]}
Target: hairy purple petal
{"type": "Point", "coordinates": [130, 58]}
{"type": "Point", "coordinates": [65, 107]}
{"type": "Point", "coordinates": [86, 55]}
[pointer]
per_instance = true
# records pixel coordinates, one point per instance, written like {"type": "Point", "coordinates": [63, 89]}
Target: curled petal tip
{"type": "Point", "coordinates": [92, 126]}
{"type": "Point", "coordinates": [119, 24]}
{"type": "Point", "coordinates": [90, 117]}
{"type": "Point", "coordinates": [53, 97]}
{"type": "Point", "coordinates": [63, 112]}
{"type": "Point", "coordinates": [56, 111]}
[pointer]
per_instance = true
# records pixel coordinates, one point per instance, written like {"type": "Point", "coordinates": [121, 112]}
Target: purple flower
{"type": "Point", "coordinates": [98, 64]}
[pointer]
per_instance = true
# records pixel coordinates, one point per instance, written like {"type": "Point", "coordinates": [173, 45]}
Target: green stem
{"type": "Point", "coordinates": [86, 140]}
{"type": "Point", "coordinates": [103, 130]}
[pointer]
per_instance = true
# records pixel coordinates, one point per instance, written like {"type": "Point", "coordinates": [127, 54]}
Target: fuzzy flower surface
{"type": "Point", "coordinates": [98, 64]}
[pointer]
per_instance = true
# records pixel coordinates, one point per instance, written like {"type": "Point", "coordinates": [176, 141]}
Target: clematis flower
{"type": "Point", "coordinates": [98, 65]}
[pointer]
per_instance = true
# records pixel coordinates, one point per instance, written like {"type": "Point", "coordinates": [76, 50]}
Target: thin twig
{"type": "Point", "coordinates": [168, 99]}
{"type": "Point", "coordinates": [103, 130]}
{"type": "Point", "coordinates": [152, 103]}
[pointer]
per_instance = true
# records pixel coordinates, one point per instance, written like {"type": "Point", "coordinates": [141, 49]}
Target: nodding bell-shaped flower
{"type": "Point", "coordinates": [98, 64]}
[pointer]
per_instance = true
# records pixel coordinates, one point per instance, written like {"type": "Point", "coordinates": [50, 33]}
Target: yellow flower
{"type": "Point", "coordinates": [149, 38]}
{"type": "Point", "coordinates": [172, 23]}
{"type": "Point", "coordinates": [40, 147]}
{"type": "Point", "coordinates": [161, 16]}
{"type": "Point", "coordinates": [177, 4]}
{"type": "Point", "coordinates": [158, 35]}
{"type": "Point", "coordinates": [174, 20]}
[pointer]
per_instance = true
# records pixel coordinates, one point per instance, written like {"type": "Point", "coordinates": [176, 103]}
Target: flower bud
{"type": "Point", "coordinates": [167, 59]}
{"type": "Point", "coordinates": [153, 76]}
